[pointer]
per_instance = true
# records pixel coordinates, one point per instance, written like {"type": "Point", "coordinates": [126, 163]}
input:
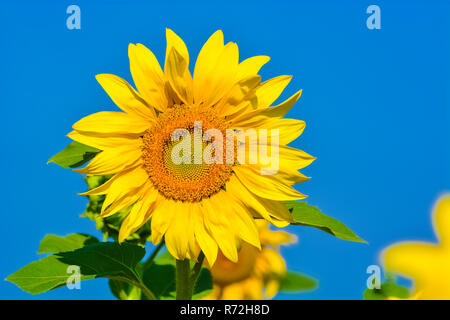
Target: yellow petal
{"type": "Point", "coordinates": [271, 89]}
{"type": "Point", "coordinates": [294, 158]}
{"type": "Point", "coordinates": [442, 219]}
{"type": "Point", "coordinates": [276, 238]}
{"type": "Point", "coordinates": [278, 111]}
{"type": "Point", "coordinates": [257, 184]}
{"type": "Point", "coordinates": [243, 224]}
{"type": "Point", "coordinates": [204, 239]}
{"type": "Point", "coordinates": [148, 76]}
{"type": "Point", "coordinates": [178, 75]}
{"type": "Point", "coordinates": [223, 74]}
{"type": "Point", "coordinates": [283, 130]}
{"type": "Point", "coordinates": [112, 122]}
{"type": "Point", "coordinates": [245, 227]}
{"type": "Point", "coordinates": [279, 160]}
{"type": "Point", "coordinates": [123, 203]}
{"type": "Point", "coordinates": [281, 216]}
{"type": "Point", "coordinates": [139, 214]}
{"type": "Point", "coordinates": [216, 80]}
{"type": "Point", "coordinates": [256, 205]}
{"type": "Point", "coordinates": [102, 189]}
{"type": "Point", "coordinates": [251, 66]}
{"type": "Point", "coordinates": [233, 292]}
{"type": "Point", "coordinates": [179, 231]}
{"type": "Point", "coordinates": [274, 268]}
{"type": "Point", "coordinates": [271, 289]}
{"type": "Point", "coordinates": [254, 289]}
{"type": "Point", "coordinates": [275, 263]}
{"type": "Point", "coordinates": [219, 228]}
{"type": "Point", "coordinates": [162, 216]}
{"type": "Point", "coordinates": [206, 60]}
{"type": "Point", "coordinates": [281, 109]}
{"type": "Point", "coordinates": [175, 42]}
{"type": "Point", "coordinates": [413, 259]}
{"type": "Point", "coordinates": [193, 250]}
{"type": "Point", "coordinates": [104, 141]}
{"type": "Point", "coordinates": [123, 184]}
{"type": "Point", "coordinates": [125, 97]}
{"type": "Point", "coordinates": [240, 98]}
{"type": "Point", "coordinates": [112, 161]}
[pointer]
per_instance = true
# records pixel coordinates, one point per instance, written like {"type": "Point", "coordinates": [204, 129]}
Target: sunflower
{"type": "Point", "coordinates": [257, 273]}
{"type": "Point", "coordinates": [427, 264]}
{"type": "Point", "coordinates": [200, 206]}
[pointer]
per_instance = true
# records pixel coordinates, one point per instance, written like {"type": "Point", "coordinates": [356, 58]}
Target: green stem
{"type": "Point", "coordinates": [138, 284]}
{"type": "Point", "coordinates": [146, 291]}
{"type": "Point", "coordinates": [184, 286]}
{"type": "Point", "coordinates": [197, 269]}
{"type": "Point", "coordinates": [186, 279]}
{"type": "Point", "coordinates": [152, 257]}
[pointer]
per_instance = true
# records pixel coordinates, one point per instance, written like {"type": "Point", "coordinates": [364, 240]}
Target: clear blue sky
{"type": "Point", "coordinates": [376, 104]}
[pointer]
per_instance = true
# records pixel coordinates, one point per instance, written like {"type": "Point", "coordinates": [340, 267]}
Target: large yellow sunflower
{"type": "Point", "coordinates": [201, 205]}
{"type": "Point", "coordinates": [257, 273]}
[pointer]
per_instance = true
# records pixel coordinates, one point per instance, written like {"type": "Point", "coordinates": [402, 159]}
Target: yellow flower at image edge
{"type": "Point", "coordinates": [257, 273]}
{"type": "Point", "coordinates": [208, 207]}
{"type": "Point", "coordinates": [427, 264]}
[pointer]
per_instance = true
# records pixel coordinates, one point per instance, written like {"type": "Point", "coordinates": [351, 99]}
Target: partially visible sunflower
{"type": "Point", "coordinates": [427, 264]}
{"type": "Point", "coordinates": [257, 273]}
{"type": "Point", "coordinates": [194, 206]}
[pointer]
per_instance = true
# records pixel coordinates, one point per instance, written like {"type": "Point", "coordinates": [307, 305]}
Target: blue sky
{"type": "Point", "coordinates": [376, 104]}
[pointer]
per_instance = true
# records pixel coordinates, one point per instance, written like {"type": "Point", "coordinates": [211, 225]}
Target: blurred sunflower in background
{"type": "Point", "coordinates": [257, 273]}
{"type": "Point", "coordinates": [196, 206]}
{"type": "Point", "coordinates": [427, 264]}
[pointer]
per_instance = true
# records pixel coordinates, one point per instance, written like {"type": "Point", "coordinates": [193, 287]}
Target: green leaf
{"type": "Point", "coordinates": [310, 216]}
{"type": "Point", "coordinates": [74, 155]}
{"type": "Point", "coordinates": [204, 284]}
{"type": "Point", "coordinates": [55, 244]}
{"type": "Point", "coordinates": [387, 290]}
{"type": "Point", "coordinates": [104, 259]}
{"type": "Point", "coordinates": [295, 282]}
{"type": "Point", "coordinates": [160, 279]}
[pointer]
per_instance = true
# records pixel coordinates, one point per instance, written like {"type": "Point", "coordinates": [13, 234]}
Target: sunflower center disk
{"type": "Point", "coordinates": [174, 154]}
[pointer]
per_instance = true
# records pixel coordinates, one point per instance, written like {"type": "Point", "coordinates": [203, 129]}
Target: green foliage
{"type": "Point", "coordinates": [387, 290]}
{"type": "Point", "coordinates": [125, 291]}
{"type": "Point", "coordinates": [310, 216]}
{"type": "Point", "coordinates": [105, 259]}
{"type": "Point", "coordinates": [204, 284]}
{"type": "Point", "coordinates": [160, 279]}
{"type": "Point", "coordinates": [296, 282]}
{"type": "Point", "coordinates": [74, 155]}
{"type": "Point", "coordinates": [55, 244]}
{"type": "Point", "coordinates": [129, 278]}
